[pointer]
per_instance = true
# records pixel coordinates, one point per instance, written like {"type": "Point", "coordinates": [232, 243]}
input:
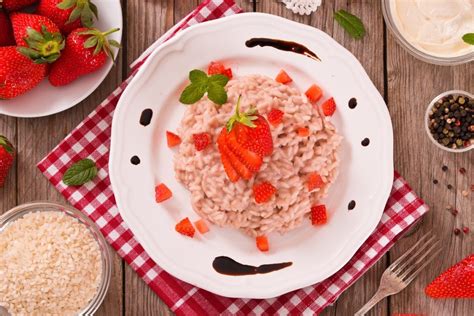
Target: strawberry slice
{"type": "Point", "coordinates": [186, 228]}
{"type": "Point", "coordinates": [162, 193]}
{"type": "Point", "coordinates": [172, 139]}
{"type": "Point", "coordinates": [314, 93]}
{"type": "Point", "coordinates": [235, 163]}
{"type": "Point", "coordinates": [249, 158]}
{"type": "Point", "coordinates": [201, 226]}
{"type": "Point", "coordinates": [315, 181]}
{"type": "Point", "coordinates": [263, 192]}
{"type": "Point", "coordinates": [455, 282]}
{"type": "Point", "coordinates": [201, 141]}
{"type": "Point", "coordinates": [319, 215]}
{"type": "Point", "coordinates": [283, 77]}
{"type": "Point", "coordinates": [218, 68]}
{"type": "Point", "coordinates": [262, 243]}
{"type": "Point", "coordinates": [275, 117]}
{"type": "Point", "coordinates": [228, 168]}
{"type": "Point", "coordinates": [329, 107]}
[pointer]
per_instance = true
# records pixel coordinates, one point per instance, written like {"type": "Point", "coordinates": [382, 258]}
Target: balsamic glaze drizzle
{"type": "Point", "coordinates": [282, 45]}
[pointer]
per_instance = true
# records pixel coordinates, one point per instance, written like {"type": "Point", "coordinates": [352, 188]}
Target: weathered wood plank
{"type": "Point", "coordinates": [411, 86]}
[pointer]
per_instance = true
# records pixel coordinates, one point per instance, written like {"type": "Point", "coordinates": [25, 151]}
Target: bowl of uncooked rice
{"type": "Point", "coordinates": [231, 204]}
{"type": "Point", "coordinates": [53, 261]}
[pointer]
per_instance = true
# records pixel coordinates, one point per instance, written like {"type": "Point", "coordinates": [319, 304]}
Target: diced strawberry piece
{"type": "Point", "coordinates": [228, 73]}
{"type": "Point", "coordinates": [215, 68]}
{"type": "Point", "coordinates": [201, 226]}
{"type": "Point", "coordinates": [329, 107]}
{"type": "Point", "coordinates": [319, 215]}
{"type": "Point", "coordinates": [172, 139]}
{"type": "Point", "coordinates": [303, 131]}
{"type": "Point", "coordinates": [315, 181]}
{"type": "Point", "coordinates": [186, 228]}
{"type": "Point", "coordinates": [283, 77]}
{"type": "Point", "coordinates": [314, 93]}
{"type": "Point", "coordinates": [201, 141]}
{"type": "Point", "coordinates": [162, 193]}
{"type": "Point", "coordinates": [275, 117]}
{"type": "Point", "coordinates": [262, 243]}
{"type": "Point", "coordinates": [263, 192]}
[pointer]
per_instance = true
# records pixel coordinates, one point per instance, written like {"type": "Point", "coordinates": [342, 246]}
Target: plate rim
{"type": "Point", "coordinates": [93, 88]}
{"type": "Point", "coordinates": [282, 289]}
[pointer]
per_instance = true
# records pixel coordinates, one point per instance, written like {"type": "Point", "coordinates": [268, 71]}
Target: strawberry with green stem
{"type": "Point", "coordinates": [69, 14]}
{"type": "Point", "coordinates": [7, 155]}
{"type": "Point", "coordinates": [87, 50]}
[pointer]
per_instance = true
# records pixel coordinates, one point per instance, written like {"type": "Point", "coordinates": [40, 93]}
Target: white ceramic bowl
{"type": "Point", "coordinates": [427, 119]}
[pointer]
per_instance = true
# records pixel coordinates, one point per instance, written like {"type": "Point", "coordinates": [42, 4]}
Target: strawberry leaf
{"type": "Point", "coordinates": [66, 4]}
{"type": "Point", "coordinates": [81, 172]}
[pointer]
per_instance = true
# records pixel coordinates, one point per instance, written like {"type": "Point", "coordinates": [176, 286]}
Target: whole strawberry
{"type": "Point", "coordinates": [6, 32]}
{"type": "Point", "coordinates": [18, 73]}
{"type": "Point", "coordinates": [456, 282]}
{"type": "Point", "coordinates": [7, 155]}
{"type": "Point", "coordinates": [69, 14]}
{"type": "Point", "coordinates": [87, 50]}
{"type": "Point", "coordinates": [15, 5]}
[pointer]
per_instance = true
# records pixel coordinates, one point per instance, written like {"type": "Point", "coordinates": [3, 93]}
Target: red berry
{"type": "Point", "coordinates": [215, 68]}
{"type": "Point", "coordinates": [172, 139]}
{"type": "Point", "coordinates": [315, 181]}
{"type": "Point", "coordinates": [201, 141]}
{"type": "Point", "coordinates": [228, 73]}
{"type": "Point", "coordinates": [319, 215]}
{"type": "Point", "coordinates": [162, 193]}
{"type": "Point", "coordinates": [465, 229]}
{"type": "Point", "coordinates": [186, 228]}
{"type": "Point", "coordinates": [275, 117]}
{"type": "Point", "coordinates": [263, 192]}
{"type": "Point", "coordinates": [329, 107]}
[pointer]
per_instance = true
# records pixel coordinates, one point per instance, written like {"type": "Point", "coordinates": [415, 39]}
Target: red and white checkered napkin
{"type": "Point", "coordinates": [92, 139]}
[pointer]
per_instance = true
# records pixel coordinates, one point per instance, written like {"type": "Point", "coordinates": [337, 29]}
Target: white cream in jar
{"type": "Point", "coordinates": [435, 27]}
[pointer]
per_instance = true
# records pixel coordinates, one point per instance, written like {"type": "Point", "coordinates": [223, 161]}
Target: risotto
{"type": "Point", "coordinates": [294, 158]}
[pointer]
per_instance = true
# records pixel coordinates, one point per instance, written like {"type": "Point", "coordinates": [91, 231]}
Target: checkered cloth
{"type": "Point", "coordinates": [92, 139]}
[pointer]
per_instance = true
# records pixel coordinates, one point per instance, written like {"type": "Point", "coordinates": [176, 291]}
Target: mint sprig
{"type": "Point", "coordinates": [80, 172]}
{"type": "Point", "coordinates": [468, 38]}
{"type": "Point", "coordinates": [201, 84]}
{"type": "Point", "coordinates": [351, 23]}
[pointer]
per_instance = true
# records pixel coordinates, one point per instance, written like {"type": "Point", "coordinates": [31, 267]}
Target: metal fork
{"type": "Point", "coordinates": [404, 270]}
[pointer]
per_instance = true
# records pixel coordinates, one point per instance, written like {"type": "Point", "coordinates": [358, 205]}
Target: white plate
{"type": "Point", "coordinates": [45, 99]}
{"type": "Point", "coordinates": [366, 173]}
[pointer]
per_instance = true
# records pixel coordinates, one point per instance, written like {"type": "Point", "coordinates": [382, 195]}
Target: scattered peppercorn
{"type": "Point", "coordinates": [457, 231]}
{"type": "Point", "coordinates": [451, 121]}
{"type": "Point", "coordinates": [454, 212]}
{"type": "Point", "coordinates": [462, 170]}
{"type": "Point", "coordinates": [465, 230]}
{"type": "Point", "coordinates": [435, 181]}
{"type": "Point", "coordinates": [449, 186]}
{"type": "Point", "coordinates": [444, 168]}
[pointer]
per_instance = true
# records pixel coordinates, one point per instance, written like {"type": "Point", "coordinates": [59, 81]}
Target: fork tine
{"type": "Point", "coordinates": [428, 260]}
{"type": "Point", "coordinates": [415, 264]}
{"type": "Point", "coordinates": [408, 252]}
{"type": "Point", "coordinates": [414, 255]}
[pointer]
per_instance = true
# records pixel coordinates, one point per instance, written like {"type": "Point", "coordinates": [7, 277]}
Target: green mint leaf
{"type": "Point", "coordinates": [198, 77]}
{"type": "Point", "coordinates": [220, 80]}
{"type": "Point", "coordinates": [468, 38]}
{"type": "Point", "coordinates": [216, 93]}
{"type": "Point", "coordinates": [81, 172]}
{"type": "Point", "coordinates": [192, 93]}
{"type": "Point", "coordinates": [351, 23]}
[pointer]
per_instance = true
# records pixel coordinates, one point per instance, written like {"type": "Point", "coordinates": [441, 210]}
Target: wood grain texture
{"type": "Point", "coordinates": [412, 84]}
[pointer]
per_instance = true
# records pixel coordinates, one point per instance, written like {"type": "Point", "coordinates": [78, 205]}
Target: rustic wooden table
{"type": "Point", "coordinates": [407, 85]}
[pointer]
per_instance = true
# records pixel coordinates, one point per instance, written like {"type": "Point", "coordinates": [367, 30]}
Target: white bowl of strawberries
{"type": "Point", "coordinates": [55, 53]}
